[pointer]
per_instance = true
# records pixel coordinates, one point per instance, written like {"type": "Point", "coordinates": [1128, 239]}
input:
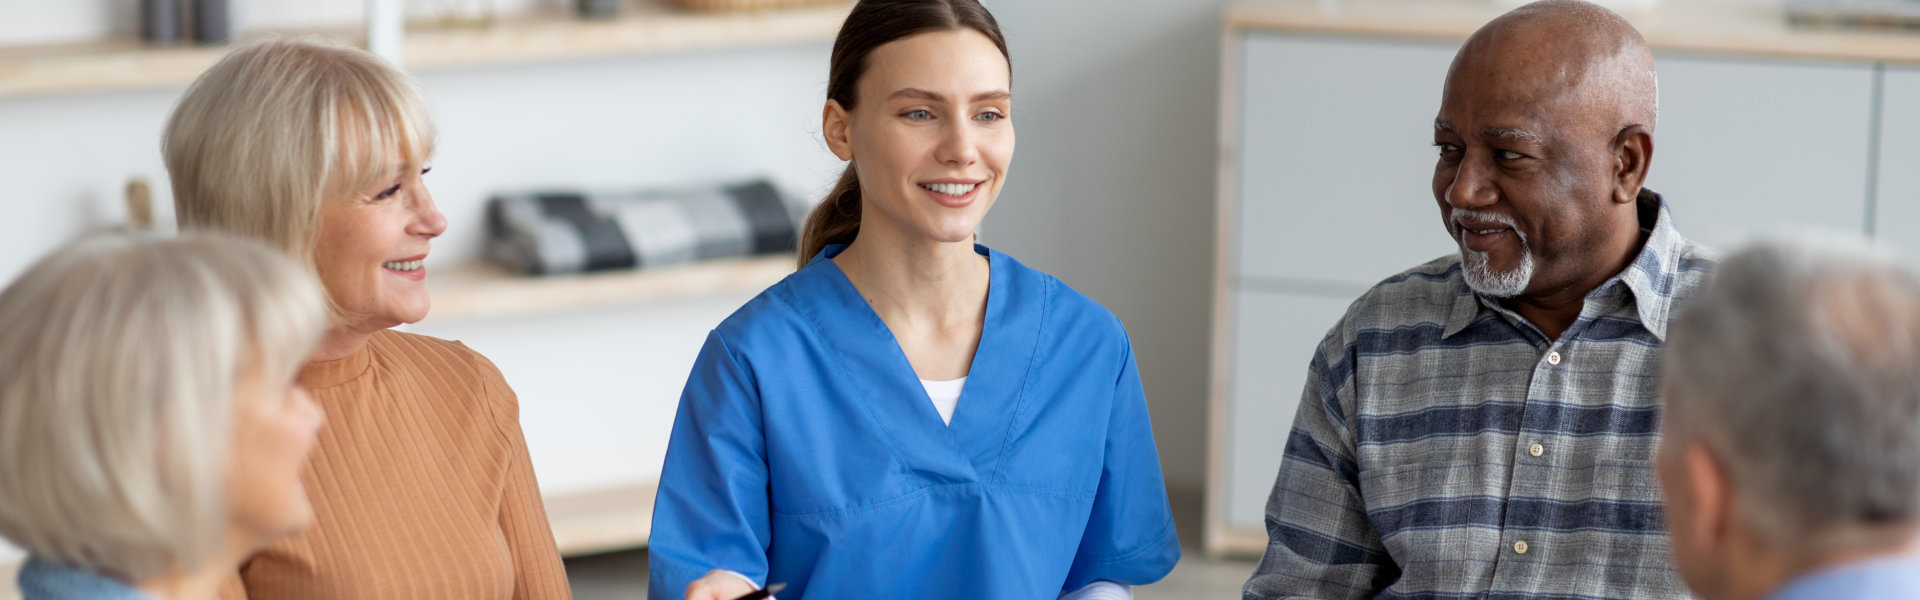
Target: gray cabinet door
{"type": "Point", "coordinates": [1275, 336]}
{"type": "Point", "coordinates": [1749, 146]}
{"type": "Point", "coordinates": [1897, 203]}
{"type": "Point", "coordinates": [1335, 158]}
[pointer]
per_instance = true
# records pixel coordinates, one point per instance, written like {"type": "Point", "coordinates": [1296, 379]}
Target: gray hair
{"type": "Point", "coordinates": [1799, 365]}
{"type": "Point", "coordinates": [116, 409]}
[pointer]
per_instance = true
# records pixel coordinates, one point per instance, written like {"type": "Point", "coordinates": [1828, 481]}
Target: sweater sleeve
{"type": "Point", "coordinates": [538, 572]}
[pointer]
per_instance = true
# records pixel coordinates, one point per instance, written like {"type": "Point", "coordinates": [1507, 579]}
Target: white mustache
{"type": "Point", "coordinates": [1468, 213]}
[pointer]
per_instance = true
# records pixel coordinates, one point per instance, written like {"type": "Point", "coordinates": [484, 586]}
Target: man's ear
{"type": "Point", "coordinates": [1632, 156]}
{"type": "Point", "coordinates": [837, 128]}
{"type": "Point", "coordinates": [1711, 492]}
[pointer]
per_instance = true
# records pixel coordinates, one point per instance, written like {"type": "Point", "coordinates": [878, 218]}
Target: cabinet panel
{"type": "Point", "coordinates": [1275, 338]}
{"type": "Point", "coordinates": [1336, 157]}
{"type": "Point", "coordinates": [1746, 146]}
{"type": "Point", "coordinates": [1898, 200]}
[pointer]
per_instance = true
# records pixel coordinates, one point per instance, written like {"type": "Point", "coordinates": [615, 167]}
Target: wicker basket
{"type": "Point", "coordinates": [748, 5]}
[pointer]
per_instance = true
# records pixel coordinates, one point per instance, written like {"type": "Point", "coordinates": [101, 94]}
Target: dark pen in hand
{"type": "Point", "coordinates": [762, 594]}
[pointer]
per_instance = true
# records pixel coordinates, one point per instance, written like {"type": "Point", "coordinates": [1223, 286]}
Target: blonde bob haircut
{"type": "Point", "coordinates": [116, 410]}
{"type": "Point", "coordinates": [281, 124]}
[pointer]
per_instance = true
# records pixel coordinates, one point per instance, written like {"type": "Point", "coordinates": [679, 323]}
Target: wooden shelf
{"type": "Point", "coordinates": [654, 30]}
{"type": "Point", "coordinates": [1746, 30]}
{"type": "Point", "coordinates": [128, 63]}
{"type": "Point", "coordinates": [111, 65]}
{"type": "Point", "coordinates": [483, 290]}
{"type": "Point", "coordinates": [602, 521]}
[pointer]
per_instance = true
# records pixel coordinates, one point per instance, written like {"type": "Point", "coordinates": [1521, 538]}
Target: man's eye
{"type": "Point", "coordinates": [1508, 155]}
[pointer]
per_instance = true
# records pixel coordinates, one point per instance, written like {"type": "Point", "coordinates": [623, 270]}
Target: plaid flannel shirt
{"type": "Point", "coordinates": [1446, 449]}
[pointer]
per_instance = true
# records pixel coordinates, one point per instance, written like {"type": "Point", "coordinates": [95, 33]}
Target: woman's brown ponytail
{"type": "Point", "coordinates": [835, 220]}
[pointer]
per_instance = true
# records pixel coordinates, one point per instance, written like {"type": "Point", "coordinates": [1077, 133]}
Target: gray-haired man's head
{"type": "Point", "coordinates": [1792, 384]}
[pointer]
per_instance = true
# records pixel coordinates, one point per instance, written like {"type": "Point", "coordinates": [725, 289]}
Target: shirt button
{"type": "Point", "coordinates": [1536, 450]}
{"type": "Point", "coordinates": [1520, 547]}
{"type": "Point", "coordinates": [1553, 358]}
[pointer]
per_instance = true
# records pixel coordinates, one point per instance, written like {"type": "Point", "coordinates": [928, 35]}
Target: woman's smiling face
{"type": "Point", "coordinates": [931, 133]}
{"type": "Point", "coordinates": [371, 246]}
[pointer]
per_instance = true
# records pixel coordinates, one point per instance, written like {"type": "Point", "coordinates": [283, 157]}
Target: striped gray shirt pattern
{"type": "Point", "coordinates": [1446, 449]}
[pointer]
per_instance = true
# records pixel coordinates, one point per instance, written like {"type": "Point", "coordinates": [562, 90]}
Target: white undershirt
{"type": "Point", "coordinates": [945, 396]}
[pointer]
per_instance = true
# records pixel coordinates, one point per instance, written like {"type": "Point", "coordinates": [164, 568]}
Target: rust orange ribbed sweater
{"type": "Point", "coordinates": [421, 486]}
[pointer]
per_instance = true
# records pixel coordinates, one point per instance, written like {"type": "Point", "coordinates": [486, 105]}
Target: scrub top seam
{"type": "Point", "coordinates": [1157, 543]}
{"type": "Point", "coordinates": [1026, 381]}
{"type": "Point", "coordinates": [840, 365]}
{"type": "Point", "coordinates": [942, 488]}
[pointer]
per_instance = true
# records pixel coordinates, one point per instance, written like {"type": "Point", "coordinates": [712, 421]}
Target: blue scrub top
{"type": "Point", "coordinates": [806, 451]}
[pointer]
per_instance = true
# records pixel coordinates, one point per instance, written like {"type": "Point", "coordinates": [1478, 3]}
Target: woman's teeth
{"type": "Point", "coordinates": [408, 265]}
{"type": "Point", "coordinates": [950, 189]}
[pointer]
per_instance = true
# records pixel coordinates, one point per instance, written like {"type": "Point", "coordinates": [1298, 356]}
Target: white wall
{"type": "Point", "coordinates": [1112, 187]}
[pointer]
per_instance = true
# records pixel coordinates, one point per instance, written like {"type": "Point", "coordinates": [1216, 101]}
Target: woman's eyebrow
{"type": "Point", "coordinates": [917, 94]}
{"type": "Point", "coordinates": [920, 94]}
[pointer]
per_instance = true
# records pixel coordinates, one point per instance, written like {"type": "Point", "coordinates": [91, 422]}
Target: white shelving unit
{"type": "Point", "coordinates": [127, 63]}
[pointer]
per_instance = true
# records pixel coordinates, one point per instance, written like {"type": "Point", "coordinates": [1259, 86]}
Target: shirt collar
{"type": "Point", "coordinates": [322, 375]}
{"type": "Point", "coordinates": [1655, 272]}
{"type": "Point", "coordinates": [42, 579]}
{"type": "Point", "coordinates": [1650, 277]}
{"type": "Point", "coordinates": [1892, 577]}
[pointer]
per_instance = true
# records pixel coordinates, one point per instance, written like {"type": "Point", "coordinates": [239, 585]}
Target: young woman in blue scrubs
{"type": "Point", "coordinates": [911, 414]}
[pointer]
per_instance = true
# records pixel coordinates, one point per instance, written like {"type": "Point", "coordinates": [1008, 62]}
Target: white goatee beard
{"type": "Point", "coordinates": [1483, 279]}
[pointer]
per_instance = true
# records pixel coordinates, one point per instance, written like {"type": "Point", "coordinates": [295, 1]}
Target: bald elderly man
{"type": "Point", "coordinates": [1483, 425]}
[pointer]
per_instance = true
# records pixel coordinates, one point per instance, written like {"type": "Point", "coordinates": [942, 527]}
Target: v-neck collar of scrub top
{"type": "Point", "coordinates": [898, 403]}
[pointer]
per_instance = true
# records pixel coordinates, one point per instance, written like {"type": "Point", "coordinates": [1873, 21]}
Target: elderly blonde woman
{"type": "Point", "coordinates": [152, 432]}
{"type": "Point", "coordinates": [421, 481]}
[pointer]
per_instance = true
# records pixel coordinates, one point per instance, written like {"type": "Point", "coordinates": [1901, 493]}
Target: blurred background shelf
{"type": "Point", "coordinates": [128, 63]}
{"type": "Point", "coordinates": [618, 518]}
{"type": "Point", "coordinates": [649, 30]}
{"type": "Point", "coordinates": [481, 290]}
{"type": "Point", "coordinates": [120, 64]}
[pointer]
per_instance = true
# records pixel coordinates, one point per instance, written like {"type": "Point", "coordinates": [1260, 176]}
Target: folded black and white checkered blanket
{"type": "Point", "coordinates": [546, 233]}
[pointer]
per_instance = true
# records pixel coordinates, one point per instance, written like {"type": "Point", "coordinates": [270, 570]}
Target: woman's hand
{"type": "Point", "coordinates": [719, 584]}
